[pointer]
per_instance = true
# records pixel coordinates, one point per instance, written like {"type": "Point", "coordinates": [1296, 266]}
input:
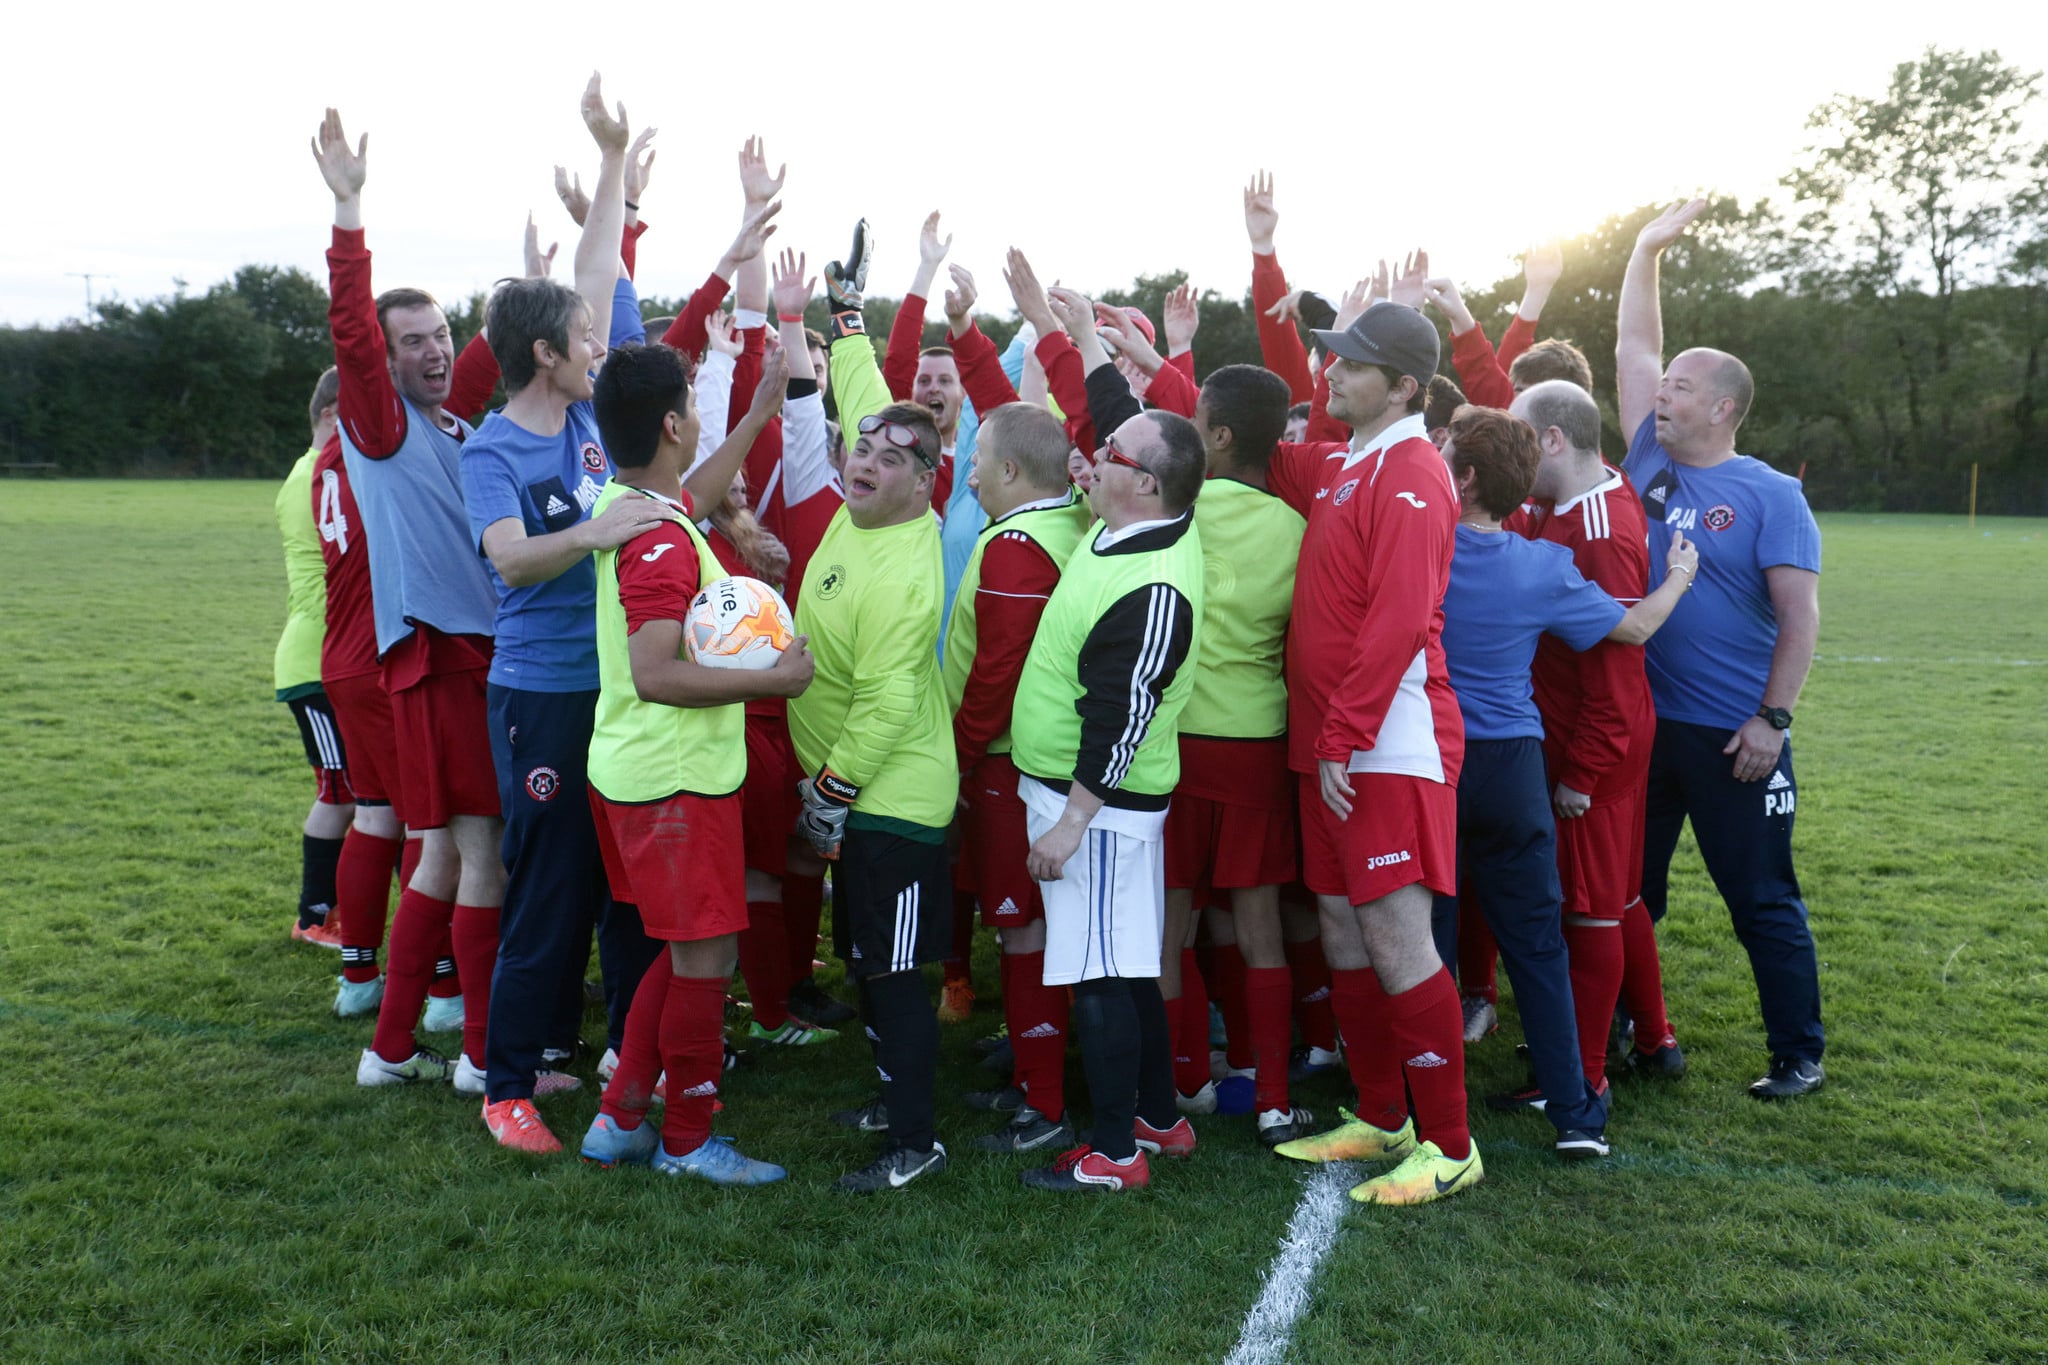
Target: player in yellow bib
{"type": "Point", "coordinates": [668, 755]}
{"type": "Point", "coordinates": [874, 735]}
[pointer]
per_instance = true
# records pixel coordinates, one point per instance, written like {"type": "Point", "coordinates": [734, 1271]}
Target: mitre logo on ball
{"type": "Point", "coordinates": [738, 623]}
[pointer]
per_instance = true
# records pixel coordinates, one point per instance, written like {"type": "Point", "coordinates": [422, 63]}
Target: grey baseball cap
{"type": "Point", "coordinates": [1390, 334]}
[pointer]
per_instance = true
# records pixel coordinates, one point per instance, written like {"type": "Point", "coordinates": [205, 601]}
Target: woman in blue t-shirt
{"type": "Point", "coordinates": [1504, 593]}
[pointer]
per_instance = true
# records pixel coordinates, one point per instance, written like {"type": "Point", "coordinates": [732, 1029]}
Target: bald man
{"type": "Point", "coordinates": [1726, 670]}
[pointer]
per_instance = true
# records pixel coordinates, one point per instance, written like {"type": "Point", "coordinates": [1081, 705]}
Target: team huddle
{"type": "Point", "coordinates": [1310, 689]}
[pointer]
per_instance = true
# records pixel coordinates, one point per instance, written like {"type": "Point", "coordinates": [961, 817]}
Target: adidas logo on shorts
{"type": "Point", "coordinates": [886, 1077]}
{"type": "Point", "coordinates": [1778, 782]}
{"type": "Point", "coordinates": [1426, 1059]}
{"type": "Point", "coordinates": [1008, 907]}
{"type": "Point", "coordinates": [697, 1091]}
{"type": "Point", "coordinates": [1041, 1031]}
{"type": "Point", "coordinates": [1319, 993]}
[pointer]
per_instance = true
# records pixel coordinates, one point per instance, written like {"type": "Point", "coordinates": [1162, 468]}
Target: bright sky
{"type": "Point", "coordinates": [149, 143]}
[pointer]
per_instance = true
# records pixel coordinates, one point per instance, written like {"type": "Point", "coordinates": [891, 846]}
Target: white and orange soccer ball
{"type": "Point", "coordinates": [738, 623]}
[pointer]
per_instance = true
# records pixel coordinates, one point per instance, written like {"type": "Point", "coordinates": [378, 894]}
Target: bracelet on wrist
{"type": "Point", "coordinates": [633, 206]}
{"type": "Point", "coordinates": [789, 317]}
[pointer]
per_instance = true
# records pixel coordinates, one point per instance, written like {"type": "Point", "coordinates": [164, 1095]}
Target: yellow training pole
{"type": "Point", "coordinates": [1973, 496]}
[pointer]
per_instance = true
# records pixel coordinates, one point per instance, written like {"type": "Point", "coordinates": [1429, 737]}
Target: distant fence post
{"type": "Point", "coordinates": [1973, 495]}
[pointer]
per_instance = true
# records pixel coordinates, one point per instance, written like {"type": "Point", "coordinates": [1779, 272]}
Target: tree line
{"type": "Point", "coordinates": [1892, 303]}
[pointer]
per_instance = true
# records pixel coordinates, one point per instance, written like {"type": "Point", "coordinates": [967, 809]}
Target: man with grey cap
{"type": "Point", "coordinates": [1376, 739]}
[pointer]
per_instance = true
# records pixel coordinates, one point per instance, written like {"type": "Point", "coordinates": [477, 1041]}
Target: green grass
{"type": "Point", "coordinates": [188, 1171]}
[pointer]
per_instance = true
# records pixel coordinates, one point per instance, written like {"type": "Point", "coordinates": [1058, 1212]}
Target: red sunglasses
{"type": "Point", "coordinates": [1117, 456]}
{"type": "Point", "coordinates": [895, 433]}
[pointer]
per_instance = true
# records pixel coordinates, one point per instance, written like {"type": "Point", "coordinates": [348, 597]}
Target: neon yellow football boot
{"type": "Point", "coordinates": [1427, 1174]}
{"type": "Point", "coordinates": [1352, 1140]}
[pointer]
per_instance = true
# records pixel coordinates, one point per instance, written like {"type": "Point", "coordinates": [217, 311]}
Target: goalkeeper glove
{"type": "Point", "coordinates": [822, 821]}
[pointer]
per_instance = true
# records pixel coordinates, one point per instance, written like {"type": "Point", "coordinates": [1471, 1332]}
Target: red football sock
{"type": "Point", "coordinates": [1229, 995]}
{"type": "Point", "coordinates": [631, 1088]}
{"type": "Point", "coordinates": [1312, 994]}
{"type": "Point", "coordinates": [1429, 1034]}
{"type": "Point", "coordinates": [1370, 1051]}
{"type": "Point", "coordinates": [362, 883]}
{"type": "Point", "coordinates": [1596, 966]}
{"type": "Point", "coordinates": [764, 961]}
{"type": "Point", "coordinates": [1269, 999]}
{"type": "Point", "coordinates": [1037, 1016]}
{"type": "Point", "coordinates": [1642, 980]}
{"type": "Point", "coordinates": [474, 929]}
{"type": "Point", "coordinates": [1476, 951]}
{"type": "Point", "coordinates": [1188, 1018]}
{"type": "Point", "coordinates": [803, 905]}
{"type": "Point", "coordinates": [416, 932]}
{"type": "Point", "coordinates": [693, 1054]}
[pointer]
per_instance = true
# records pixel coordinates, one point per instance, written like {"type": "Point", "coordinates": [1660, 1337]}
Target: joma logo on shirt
{"type": "Point", "coordinates": [1386, 860]}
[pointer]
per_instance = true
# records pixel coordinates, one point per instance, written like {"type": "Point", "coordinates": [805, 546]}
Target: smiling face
{"type": "Point", "coordinates": [421, 353]}
{"type": "Point", "coordinates": [571, 378]}
{"type": "Point", "coordinates": [937, 387]}
{"type": "Point", "coordinates": [885, 483]}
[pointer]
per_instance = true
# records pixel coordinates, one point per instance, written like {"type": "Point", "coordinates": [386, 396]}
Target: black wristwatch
{"type": "Point", "coordinates": [1778, 716]}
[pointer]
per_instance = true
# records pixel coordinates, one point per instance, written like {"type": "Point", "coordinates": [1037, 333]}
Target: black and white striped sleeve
{"type": "Point", "coordinates": [1127, 662]}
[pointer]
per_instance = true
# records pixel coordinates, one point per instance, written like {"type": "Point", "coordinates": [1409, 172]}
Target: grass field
{"type": "Point", "coordinates": [188, 1171]}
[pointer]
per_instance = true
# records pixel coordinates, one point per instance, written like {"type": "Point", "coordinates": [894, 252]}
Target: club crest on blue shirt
{"type": "Point", "coordinates": [593, 457]}
{"type": "Point", "coordinates": [1719, 517]}
{"type": "Point", "coordinates": [1343, 495]}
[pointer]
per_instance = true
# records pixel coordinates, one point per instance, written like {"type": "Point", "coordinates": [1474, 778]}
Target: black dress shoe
{"type": "Point", "coordinates": [1788, 1078]}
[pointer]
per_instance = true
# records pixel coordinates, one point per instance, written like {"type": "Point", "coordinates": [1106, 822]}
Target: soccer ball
{"type": "Point", "coordinates": [738, 623]}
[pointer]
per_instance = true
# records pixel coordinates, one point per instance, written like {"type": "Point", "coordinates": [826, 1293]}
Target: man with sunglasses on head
{"type": "Point", "coordinates": [874, 734]}
{"type": "Point", "coordinates": [1096, 732]}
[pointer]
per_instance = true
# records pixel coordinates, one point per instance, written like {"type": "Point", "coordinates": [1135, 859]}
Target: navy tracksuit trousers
{"type": "Point", "coordinates": [1507, 854]}
{"type": "Point", "coordinates": [1744, 830]}
{"type": "Point", "coordinates": [555, 892]}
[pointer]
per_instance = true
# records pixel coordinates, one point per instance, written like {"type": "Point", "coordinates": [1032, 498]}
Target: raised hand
{"type": "Point", "coordinates": [610, 133]}
{"type": "Point", "coordinates": [960, 300]}
{"type": "Point", "coordinates": [570, 191]}
{"type": "Point", "coordinates": [1122, 336]}
{"type": "Point", "coordinates": [791, 288]}
{"type": "Point", "coordinates": [1073, 310]}
{"type": "Point", "coordinates": [846, 281]}
{"type": "Point", "coordinates": [1668, 226]}
{"type": "Point", "coordinates": [930, 250]}
{"type": "Point", "coordinates": [755, 182]}
{"type": "Point", "coordinates": [638, 168]}
{"type": "Point", "coordinates": [1358, 298]}
{"type": "Point", "coordinates": [768, 394]}
{"type": "Point", "coordinates": [1029, 294]}
{"type": "Point", "coordinates": [1183, 318]}
{"type": "Point", "coordinates": [538, 262]}
{"type": "Point", "coordinates": [1287, 308]}
{"type": "Point", "coordinates": [720, 335]}
{"type": "Point", "coordinates": [1442, 293]}
{"type": "Point", "coordinates": [755, 230]}
{"type": "Point", "coordinates": [1411, 286]}
{"type": "Point", "coordinates": [1543, 267]}
{"type": "Point", "coordinates": [1260, 217]}
{"type": "Point", "coordinates": [342, 169]}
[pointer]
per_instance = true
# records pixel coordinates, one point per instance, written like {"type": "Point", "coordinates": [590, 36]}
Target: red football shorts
{"type": "Point", "coordinates": [994, 842]}
{"type": "Point", "coordinates": [768, 799]}
{"type": "Point", "coordinates": [1232, 821]}
{"type": "Point", "coordinates": [442, 726]}
{"type": "Point", "coordinates": [362, 710]}
{"type": "Point", "coordinates": [679, 860]}
{"type": "Point", "coordinates": [1402, 830]}
{"type": "Point", "coordinates": [1600, 856]}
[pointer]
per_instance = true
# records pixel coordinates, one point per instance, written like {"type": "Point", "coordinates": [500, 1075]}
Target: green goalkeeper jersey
{"type": "Point", "coordinates": [875, 712]}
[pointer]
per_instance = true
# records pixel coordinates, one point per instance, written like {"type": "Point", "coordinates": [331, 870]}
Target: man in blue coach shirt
{"type": "Point", "coordinates": [1726, 671]}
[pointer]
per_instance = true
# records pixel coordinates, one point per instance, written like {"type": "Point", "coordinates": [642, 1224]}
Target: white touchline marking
{"type": "Point", "coordinates": [1269, 1327]}
{"type": "Point", "coordinates": [1952, 659]}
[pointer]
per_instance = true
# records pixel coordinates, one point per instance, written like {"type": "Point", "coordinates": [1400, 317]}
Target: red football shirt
{"type": "Point", "coordinates": [1365, 662]}
{"type": "Point", "coordinates": [349, 648]}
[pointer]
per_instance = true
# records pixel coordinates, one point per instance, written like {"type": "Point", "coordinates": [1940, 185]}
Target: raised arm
{"type": "Point", "coordinates": [906, 334]}
{"type": "Point", "coordinates": [686, 333]}
{"type": "Point", "coordinates": [1542, 268]}
{"type": "Point", "coordinates": [758, 190]}
{"type": "Point", "coordinates": [1479, 371]}
{"type": "Point", "coordinates": [981, 367]}
{"type": "Point", "coordinates": [597, 250]}
{"type": "Point", "coordinates": [1639, 328]}
{"type": "Point", "coordinates": [1280, 345]}
{"type": "Point", "coordinates": [369, 410]}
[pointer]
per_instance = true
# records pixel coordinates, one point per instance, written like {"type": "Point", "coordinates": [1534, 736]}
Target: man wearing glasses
{"type": "Point", "coordinates": [1096, 744]}
{"type": "Point", "coordinates": [874, 734]}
